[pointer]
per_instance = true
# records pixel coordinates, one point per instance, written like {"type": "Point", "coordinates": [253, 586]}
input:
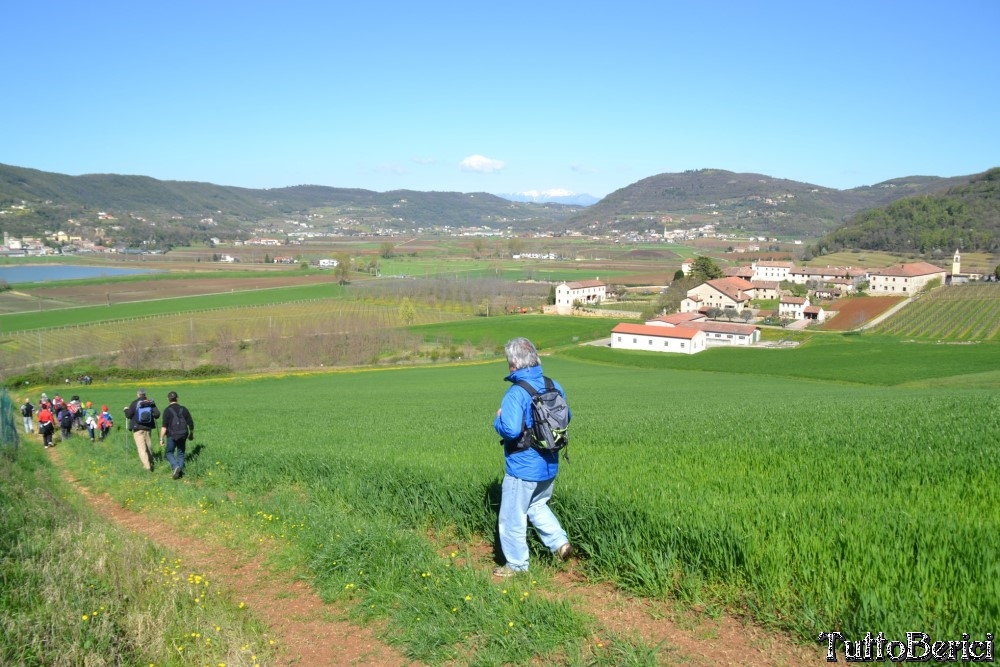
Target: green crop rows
{"type": "Point", "coordinates": [960, 313]}
{"type": "Point", "coordinates": [809, 504]}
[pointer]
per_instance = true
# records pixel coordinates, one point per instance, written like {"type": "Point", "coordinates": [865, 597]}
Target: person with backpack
{"type": "Point", "coordinates": [177, 428]}
{"type": "Point", "coordinates": [105, 422]}
{"type": "Point", "coordinates": [530, 465]}
{"type": "Point", "coordinates": [65, 417]}
{"type": "Point", "coordinates": [27, 410]}
{"type": "Point", "coordinates": [46, 424]}
{"type": "Point", "coordinates": [89, 419]}
{"type": "Point", "coordinates": [142, 414]}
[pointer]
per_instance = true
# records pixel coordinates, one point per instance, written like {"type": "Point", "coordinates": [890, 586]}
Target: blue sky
{"type": "Point", "coordinates": [583, 96]}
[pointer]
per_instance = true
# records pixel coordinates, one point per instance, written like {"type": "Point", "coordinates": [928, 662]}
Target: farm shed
{"type": "Point", "coordinates": [680, 339]}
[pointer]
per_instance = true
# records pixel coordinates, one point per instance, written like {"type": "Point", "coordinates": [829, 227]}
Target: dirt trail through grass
{"type": "Point", "coordinates": [313, 633]}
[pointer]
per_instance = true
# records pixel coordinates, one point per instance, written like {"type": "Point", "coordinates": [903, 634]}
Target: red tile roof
{"type": "Point", "coordinates": [660, 332]}
{"type": "Point", "coordinates": [910, 270]}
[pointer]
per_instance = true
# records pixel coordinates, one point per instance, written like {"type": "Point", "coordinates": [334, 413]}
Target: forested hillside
{"type": "Point", "coordinates": [966, 217]}
{"type": "Point", "coordinates": [751, 202]}
{"type": "Point", "coordinates": [32, 201]}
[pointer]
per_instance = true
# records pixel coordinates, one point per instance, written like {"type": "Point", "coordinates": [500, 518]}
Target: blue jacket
{"type": "Point", "coordinates": [528, 464]}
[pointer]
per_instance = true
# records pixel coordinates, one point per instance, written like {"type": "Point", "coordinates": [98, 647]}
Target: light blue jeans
{"type": "Point", "coordinates": [522, 502]}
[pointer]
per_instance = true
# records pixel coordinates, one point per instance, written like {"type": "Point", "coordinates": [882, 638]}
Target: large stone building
{"type": "Point", "coordinates": [903, 279]}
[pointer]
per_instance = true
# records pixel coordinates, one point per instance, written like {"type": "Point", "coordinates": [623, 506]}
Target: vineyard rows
{"type": "Point", "coordinates": [956, 313]}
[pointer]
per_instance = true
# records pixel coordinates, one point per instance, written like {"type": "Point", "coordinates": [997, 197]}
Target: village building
{"type": "Point", "coordinates": [678, 339]}
{"type": "Point", "coordinates": [903, 279]}
{"type": "Point", "coordinates": [720, 293]}
{"type": "Point", "coordinates": [744, 272]}
{"type": "Point", "coordinates": [815, 313]}
{"type": "Point", "coordinates": [677, 319]}
{"type": "Point", "coordinates": [957, 277]}
{"type": "Point", "coordinates": [793, 307]}
{"type": "Point", "coordinates": [766, 289]}
{"type": "Point", "coordinates": [776, 271]}
{"type": "Point", "coordinates": [582, 292]}
{"type": "Point", "coordinates": [803, 275]}
{"type": "Point", "coordinates": [716, 333]}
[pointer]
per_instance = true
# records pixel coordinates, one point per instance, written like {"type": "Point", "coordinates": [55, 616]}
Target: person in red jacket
{"type": "Point", "coordinates": [46, 424]}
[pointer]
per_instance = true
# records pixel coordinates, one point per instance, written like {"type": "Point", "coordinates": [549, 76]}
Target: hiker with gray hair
{"type": "Point", "coordinates": [142, 414]}
{"type": "Point", "coordinates": [529, 473]}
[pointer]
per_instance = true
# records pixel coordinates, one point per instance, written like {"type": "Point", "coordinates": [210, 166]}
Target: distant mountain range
{"type": "Point", "coordinates": [32, 201]}
{"type": "Point", "coordinates": [551, 196]}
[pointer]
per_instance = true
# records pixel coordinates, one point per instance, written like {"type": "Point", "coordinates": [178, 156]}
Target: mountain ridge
{"type": "Point", "coordinates": [751, 203]}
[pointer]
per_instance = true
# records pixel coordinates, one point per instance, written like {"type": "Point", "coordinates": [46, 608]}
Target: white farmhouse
{"type": "Point", "coordinates": [328, 263]}
{"type": "Point", "coordinates": [905, 279]}
{"type": "Point", "coordinates": [716, 333]}
{"type": "Point", "coordinates": [776, 271]}
{"type": "Point", "coordinates": [793, 307]}
{"type": "Point", "coordinates": [679, 340]}
{"type": "Point", "coordinates": [584, 292]}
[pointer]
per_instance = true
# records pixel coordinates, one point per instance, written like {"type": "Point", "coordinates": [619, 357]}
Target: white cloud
{"type": "Point", "coordinates": [480, 163]}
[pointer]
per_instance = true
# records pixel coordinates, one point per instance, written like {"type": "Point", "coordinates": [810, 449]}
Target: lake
{"type": "Point", "coordinates": [31, 273]}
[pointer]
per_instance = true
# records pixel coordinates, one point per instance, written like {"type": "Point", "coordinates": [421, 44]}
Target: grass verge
{"type": "Point", "coordinates": [77, 591]}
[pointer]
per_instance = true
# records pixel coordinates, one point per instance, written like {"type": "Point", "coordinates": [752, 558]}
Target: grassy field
{"type": "Point", "coordinates": [753, 505]}
{"type": "Point", "coordinates": [848, 483]}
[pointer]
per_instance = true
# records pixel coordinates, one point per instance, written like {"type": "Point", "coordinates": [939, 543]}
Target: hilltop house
{"type": "Point", "coordinates": [677, 339]}
{"type": "Point", "coordinates": [582, 292]}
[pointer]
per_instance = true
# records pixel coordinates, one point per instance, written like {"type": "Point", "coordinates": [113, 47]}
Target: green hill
{"type": "Point", "coordinates": [965, 216]}
{"type": "Point", "coordinates": [751, 202]}
{"type": "Point", "coordinates": [177, 212]}
{"type": "Point", "coordinates": [32, 201]}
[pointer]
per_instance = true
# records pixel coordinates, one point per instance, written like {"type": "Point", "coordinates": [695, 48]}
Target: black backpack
{"type": "Point", "coordinates": [549, 417]}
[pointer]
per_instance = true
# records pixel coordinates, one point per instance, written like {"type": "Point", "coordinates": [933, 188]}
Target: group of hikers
{"type": "Point", "coordinates": [532, 424]}
{"type": "Point", "coordinates": [176, 429]}
{"type": "Point", "coordinates": [65, 416]}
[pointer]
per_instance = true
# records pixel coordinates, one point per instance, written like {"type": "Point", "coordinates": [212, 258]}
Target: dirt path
{"type": "Point", "coordinates": [311, 633]}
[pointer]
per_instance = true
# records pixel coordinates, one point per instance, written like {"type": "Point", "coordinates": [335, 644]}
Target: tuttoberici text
{"type": "Point", "coordinates": [918, 647]}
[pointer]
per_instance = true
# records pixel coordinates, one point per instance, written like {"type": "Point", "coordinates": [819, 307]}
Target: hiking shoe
{"type": "Point", "coordinates": [505, 572]}
{"type": "Point", "coordinates": [177, 473]}
{"type": "Point", "coordinates": [565, 551]}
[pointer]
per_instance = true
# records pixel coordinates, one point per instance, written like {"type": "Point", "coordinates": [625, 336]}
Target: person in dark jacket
{"type": "Point", "coordinates": [27, 410]}
{"type": "Point", "coordinates": [141, 431]}
{"type": "Point", "coordinates": [529, 473]}
{"type": "Point", "coordinates": [176, 429]}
